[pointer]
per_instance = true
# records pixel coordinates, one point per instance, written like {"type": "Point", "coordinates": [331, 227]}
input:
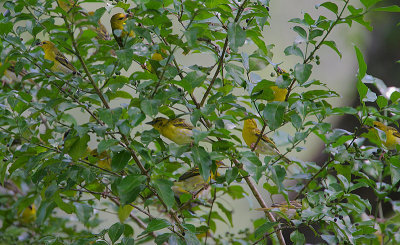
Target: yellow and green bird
{"type": "Point", "coordinates": [61, 63]}
{"type": "Point", "coordinates": [117, 25]}
{"type": "Point", "coordinates": [265, 145]}
{"type": "Point", "coordinates": [392, 135]}
{"type": "Point", "coordinates": [176, 129]}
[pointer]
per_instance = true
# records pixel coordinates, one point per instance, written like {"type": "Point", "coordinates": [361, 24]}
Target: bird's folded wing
{"type": "Point", "coordinates": [64, 61]}
{"type": "Point", "coordinates": [190, 173]}
{"type": "Point", "coordinates": [180, 123]}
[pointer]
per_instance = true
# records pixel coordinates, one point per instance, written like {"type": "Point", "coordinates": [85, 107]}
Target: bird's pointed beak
{"type": "Point", "coordinates": [150, 123]}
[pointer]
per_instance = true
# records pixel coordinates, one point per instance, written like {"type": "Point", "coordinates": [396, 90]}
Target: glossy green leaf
{"type": "Point", "coordinates": [302, 72]}
{"type": "Point", "coordinates": [203, 160]}
{"type": "Point", "coordinates": [164, 190]}
{"type": "Point", "coordinates": [120, 160]}
{"type": "Point", "coordinates": [264, 229]}
{"type": "Point", "coordinates": [157, 224]}
{"type": "Point", "coordinates": [236, 36]}
{"type": "Point", "coordinates": [362, 66]}
{"type": "Point", "coordinates": [129, 188]}
{"type": "Point", "coordinates": [274, 113]}
{"type": "Point", "coordinates": [330, 6]}
{"type": "Point", "coordinates": [297, 238]}
{"type": "Point", "coordinates": [115, 231]}
{"type": "Point", "coordinates": [393, 8]}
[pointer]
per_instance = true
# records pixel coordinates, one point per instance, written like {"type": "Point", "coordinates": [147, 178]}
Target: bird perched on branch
{"type": "Point", "coordinates": [71, 7]}
{"type": "Point", "coordinates": [103, 159]}
{"type": "Point", "coordinates": [28, 215]}
{"type": "Point", "coordinates": [265, 145]}
{"type": "Point", "coordinates": [100, 29]}
{"type": "Point", "coordinates": [279, 93]}
{"type": "Point", "coordinates": [285, 209]}
{"type": "Point", "coordinates": [192, 182]}
{"type": "Point", "coordinates": [117, 25]}
{"type": "Point", "coordinates": [61, 63]}
{"type": "Point", "coordinates": [392, 135]}
{"type": "Point", "coordinates": [176, 129]}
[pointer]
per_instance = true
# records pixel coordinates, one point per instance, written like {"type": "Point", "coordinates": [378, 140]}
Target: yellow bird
{"type": "Point", "coordinates": [265, 146]}
{"type": "Point", "coordinates": [104, 159]}
{"type": "Point", "coordinates": [100, 29]}
{"type": "Point", "coordinates": [392, 135]}
{"type": "Point", "coordinates": [28, 215]}
{"type": "Point", "coordinates": [279, 93]}
{"type": "Point", "coordinates": [61, 63]}
{"type": "Point", "coordinates": [117, 23]}
{"type": "Point", "coordinates": [289, 210]}
{"type": "Point", "coordinates": [192, 182]}
{"type": "Point", "coordinates": [176, 129]}
{"type": "Point", "coordinates": [71, 7]}
{"type": "Point", "coordinates": [155, 57]}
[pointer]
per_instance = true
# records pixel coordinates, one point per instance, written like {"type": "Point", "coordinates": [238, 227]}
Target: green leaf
{"type": "Point", "coordinates": [332, 45]}
{"type": "Point", "coordinates": [115, 231]}
{"type": "Point", "coordinates": [150, 107]}
{"type": "Point", "coordinates": [123, 212]}
{"type": "Point", "coordinates": [106, 144]}
{"type": "Point", "coordinates": [393, 8]}
{"type": "Point", "coordinates": [125, 57]}
{"type": "Point", "coordinates": [381, 101]}
{"type": "Point", "coordinates": [278, 176]}
{"type": "Point", "coordinates": [110, 116]}
{"type": "Point", "coordinates": [296, 121]}
{"type": "Point", "coordinates": [135, 116]}
{"type": "Point", "coordinates": [202, 160]}
{"type": "Point", "coordinates": [69, 209]}
{"type": "Point", "coordinates": [191, 239]}
{"type": "Point", "coordinates": [369, 3]}
{"type": "Point", "coordinates": [130, 187]}
{"type": "Point", "coordinates": [362, 66]}
{"type": "Point", "coordinates": [228, 213]}
{"type": "Point", "coordinates": [301, 32]}
{"type": "Point", "coordinates": [395, 169]}
{"type": "Point", "coordinates": [120, 160]}
{"type": "Point", "coordinates": [302, 72]}
{"type": "Point", "coordinates": [297, 238]}
{"type": "Point", "coordinates": [293, 50]}
{"type": "Point", "coordinates": [263, 229]}
{"type": "Point", "coordinates": [236, 36]}
{"type": "Point", "coordinates": [156, 224]}
{"type": "Point", "coordinates": [79, 148]}
{"type": "Point", "coordinates": [231, 174]}
{"type": "Point", "coordinates": [83, 212]}
{"type": "Point", "coordinates": [344, 182]}
{"type": "Point", "coordinates": [5, 28]}
{"type": "Point", "coordinates": [330, 6]}
{"type": "Point", "coordinates": [164, 190]}
{"type": "Point", "coordinates": [273, 113]}
{"type": "Point", "coordinates": [362, 90]}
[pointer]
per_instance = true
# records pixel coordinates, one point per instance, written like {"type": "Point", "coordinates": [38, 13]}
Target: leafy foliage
{"type": "Point", "coordinates": [74, 146]}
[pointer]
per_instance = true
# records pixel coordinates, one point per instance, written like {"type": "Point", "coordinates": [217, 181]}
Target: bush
{"type": "Point", "coordinates": [74, 145]}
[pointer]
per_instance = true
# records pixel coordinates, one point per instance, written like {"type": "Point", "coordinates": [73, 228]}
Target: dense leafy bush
{"type": "Point", "coordinates": [74, 146]}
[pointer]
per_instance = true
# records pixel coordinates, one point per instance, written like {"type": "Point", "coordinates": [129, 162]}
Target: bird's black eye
{"type": "Point", "coordinates": [121, 18]}
{"type": "Point", "coordinates": [44, 42]}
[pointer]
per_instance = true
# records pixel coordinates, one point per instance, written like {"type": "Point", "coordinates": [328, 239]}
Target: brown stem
{"type": "Point", "coordinates": [221, 58]}
{"type": "Point", "coordinates": [261, 202]}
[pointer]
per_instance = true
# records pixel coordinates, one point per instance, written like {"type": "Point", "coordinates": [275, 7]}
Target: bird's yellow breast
{"type": "Point", "coordinates": [180, 136]}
